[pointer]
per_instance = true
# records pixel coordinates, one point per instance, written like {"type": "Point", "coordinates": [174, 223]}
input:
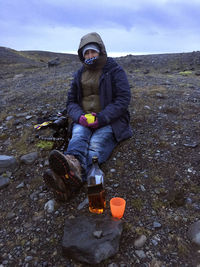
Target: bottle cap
{"type": "Point", "coordinates": [95, 159]}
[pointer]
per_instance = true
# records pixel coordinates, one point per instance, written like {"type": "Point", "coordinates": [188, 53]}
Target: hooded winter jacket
{"type": "Point", "coordinates": [114, 92]}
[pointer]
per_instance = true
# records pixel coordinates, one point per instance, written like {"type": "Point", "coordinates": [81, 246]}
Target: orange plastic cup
{"type": "Point", "coordinates": [117, 207]}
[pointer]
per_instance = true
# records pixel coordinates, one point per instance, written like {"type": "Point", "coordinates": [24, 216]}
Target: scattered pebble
{"type": "Point", "coordinates": [140, 254]}
{"type": "Point", "coordinates": [21, 185]}
{"type": "Point", "coordinates": [142, 188]}
{"type": "Point", "coordinates": [28, 117]}
{"type": "Point", "coordinates": [157, 225]}
{"type": "Point", "coordinates": [140, 241]}
{"type": "Point", "coordinates": [49, 206]}
{"type": "Point", "coordinates": [10, 215]}
{"type": "Point", "coordinates": [97, 234]}
{"type": "Point", "coordinates": [83, 204]}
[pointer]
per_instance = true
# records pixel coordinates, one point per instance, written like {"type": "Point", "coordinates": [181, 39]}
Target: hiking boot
{"type": "Point", "coordinates": [56, 184]}
{"type": "Point", "coordinates": [67, 167]}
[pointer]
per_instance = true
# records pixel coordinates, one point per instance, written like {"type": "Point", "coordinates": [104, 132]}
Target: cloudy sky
{"type": "Point", "coordinates": [126, 26]}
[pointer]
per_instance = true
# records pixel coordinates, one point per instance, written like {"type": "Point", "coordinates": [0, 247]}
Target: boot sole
{"type": "Point", "coordinates": [58, 163]}
{"type": "Point", "coordinates": [59, 195]}
{"type": "Point", "coordinates": [60, 166]}
{"type": "Point", "coordinates": [51, 183]}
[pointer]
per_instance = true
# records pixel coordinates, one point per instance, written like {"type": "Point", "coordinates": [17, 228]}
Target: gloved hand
{"type": "Point", "coordinates": [94, 125]}
{"type": "Point", "coordinates": [83, 121]}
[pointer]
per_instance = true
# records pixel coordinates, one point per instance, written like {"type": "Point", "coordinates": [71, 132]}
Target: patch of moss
{"type": "Point", "coordinates": [137, 204]}
{"type": "Point", "coordinates": [4, 175]}
{"type": "Point", "coordinates": [157, 179]}
{"type": "Point", "coordinates": [185, 73]}
{"type": "Point", "coordinates": [157, 204]}
{"type": "Point", "coordinates": [128, 226]}
{"type": "Point", "coordinates": [35, 183]}
{"type": "Point", "coordinates": [19, 144]}
{"type": "Point", "coordinates": [195, 189]}
{"type": "Point", "coordinates": [3, 136]}
{"type": "Point", "coordinates": [3, 115]}
{"type": "Point", "coordinates": [182, 247]}
{"type": "Point", "coordinates": [46, 145]}
{"type": "Point", "coordinates": [142, 231]}
{"type": "Point", "coordinates": [119, 163]}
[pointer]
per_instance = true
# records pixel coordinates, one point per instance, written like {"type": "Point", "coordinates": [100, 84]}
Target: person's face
{"type": "Point", "coordinates": [90, 53]}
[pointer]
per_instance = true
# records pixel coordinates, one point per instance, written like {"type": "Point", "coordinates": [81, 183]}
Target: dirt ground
{"type": "Point", "coordinates": [156, 171]}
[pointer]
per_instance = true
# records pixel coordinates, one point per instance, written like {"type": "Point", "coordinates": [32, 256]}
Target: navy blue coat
{"type": "Point", "coordinates": [114, 92]}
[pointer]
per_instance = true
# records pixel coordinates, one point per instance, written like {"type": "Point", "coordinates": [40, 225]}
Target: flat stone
{"type": "Point", "coordinates": [29, 159]}
{"type": "Point", "coordinates": [28, 117]}
{"type": "Point", "coordinates": [21, 185]}
{"type": "Point", "coordinates": [194, 233]}
{"type": "Point", "coordinates": [140, 254]}
{"type": "Point", "coordinates": [97, 234]}
{"type": "Point", "coordinates": [140, 241]}
{"type": "Point", "coordinates": [157, 225]}
{"type": "Point", "coordinates": [192, 145]}
{"type": "Point", "coordinates": [9, 118]}
{"type": "Point", "coordinates": [4, 182]}
{"type": "Point", "coordinates": [83, 204]}
{"type": "Point", "coordinates": [197, 73]}
{"type": "Point", "coordinates": [80, 243]}
{"type": "Point", "coordinates": [50, 206]}
{"type": "Point", "coordinates": [10, 215]}
{"type": "Point", "coordinates": [7, 163]}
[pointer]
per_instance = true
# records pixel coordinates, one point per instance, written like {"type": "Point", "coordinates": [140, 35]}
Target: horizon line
{"type": "Point", "coordinates": [122, 54]}
{"type": "Point", "coordinates": [110, 54]}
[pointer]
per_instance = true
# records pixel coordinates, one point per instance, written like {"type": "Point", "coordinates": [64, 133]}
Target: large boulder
{"type": "Point", "coordinates": [54, 62]}
{"type": "Point", "coordinates": [91, 239]}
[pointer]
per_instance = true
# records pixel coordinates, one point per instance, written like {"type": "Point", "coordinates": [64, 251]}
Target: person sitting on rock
{"type": "Point", "coordinates": [100, 87]}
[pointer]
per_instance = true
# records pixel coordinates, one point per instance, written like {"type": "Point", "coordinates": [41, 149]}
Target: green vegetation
{"type": "Point", "coordinates": [3, 136]}
{"type": "Point", "coordinates": [185, 73]}
{"type": "Point", "coordinates": [137, 204]}
{"type": "Point", "coordinates": [157, 204]}
{"type": "Point", "coordinates": [19, 143]}
{"type": "Point", "coordinates": [46, 145]}
{"type": "Point", "coordinates": [157, 179]}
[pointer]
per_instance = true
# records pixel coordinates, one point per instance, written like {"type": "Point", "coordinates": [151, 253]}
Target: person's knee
{"type": "Point", "coordinates": [79, 131]}
{"type": "Point", "coordinates": [95, 145]}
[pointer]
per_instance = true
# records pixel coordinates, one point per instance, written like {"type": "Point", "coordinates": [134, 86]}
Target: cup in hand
{"type": "Point", "coordinates": [117, 207]}
{"type": "Point", "coordinates": [90, 118]}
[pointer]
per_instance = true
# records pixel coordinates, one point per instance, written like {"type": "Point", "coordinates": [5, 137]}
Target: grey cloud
{"type": "Point", "coordinates": [82, 15]}
{"type": "Point", "coordinates": [147, 25]}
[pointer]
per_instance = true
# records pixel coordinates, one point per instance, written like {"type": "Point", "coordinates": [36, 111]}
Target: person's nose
{"type": "Point", "coordinates": [90, 54]}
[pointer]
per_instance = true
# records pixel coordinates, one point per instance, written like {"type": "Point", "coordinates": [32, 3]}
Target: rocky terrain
{"type": "Point", "coordinates": [156, 171]}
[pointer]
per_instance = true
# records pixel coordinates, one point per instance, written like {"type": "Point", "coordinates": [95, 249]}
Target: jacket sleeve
{"type": "Point", "coordinates": [74, 108]}
{"type": "Point", "coordinates": [118, 90]}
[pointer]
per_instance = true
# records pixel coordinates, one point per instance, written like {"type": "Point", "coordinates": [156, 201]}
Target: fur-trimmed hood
{"type": "Point", "coordinates": [92, 37]}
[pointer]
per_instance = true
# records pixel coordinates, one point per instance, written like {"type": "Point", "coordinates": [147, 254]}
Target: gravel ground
{"type": "Point", "coordinates": [156, 171]}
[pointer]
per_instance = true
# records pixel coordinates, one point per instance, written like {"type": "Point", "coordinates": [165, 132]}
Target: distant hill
{"type": "Point", "coordinates": [162, 62]}
{"type": "Point", "coordinates": [14, 62]}
{"type": "Point", "coordinates": [11, 56]}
